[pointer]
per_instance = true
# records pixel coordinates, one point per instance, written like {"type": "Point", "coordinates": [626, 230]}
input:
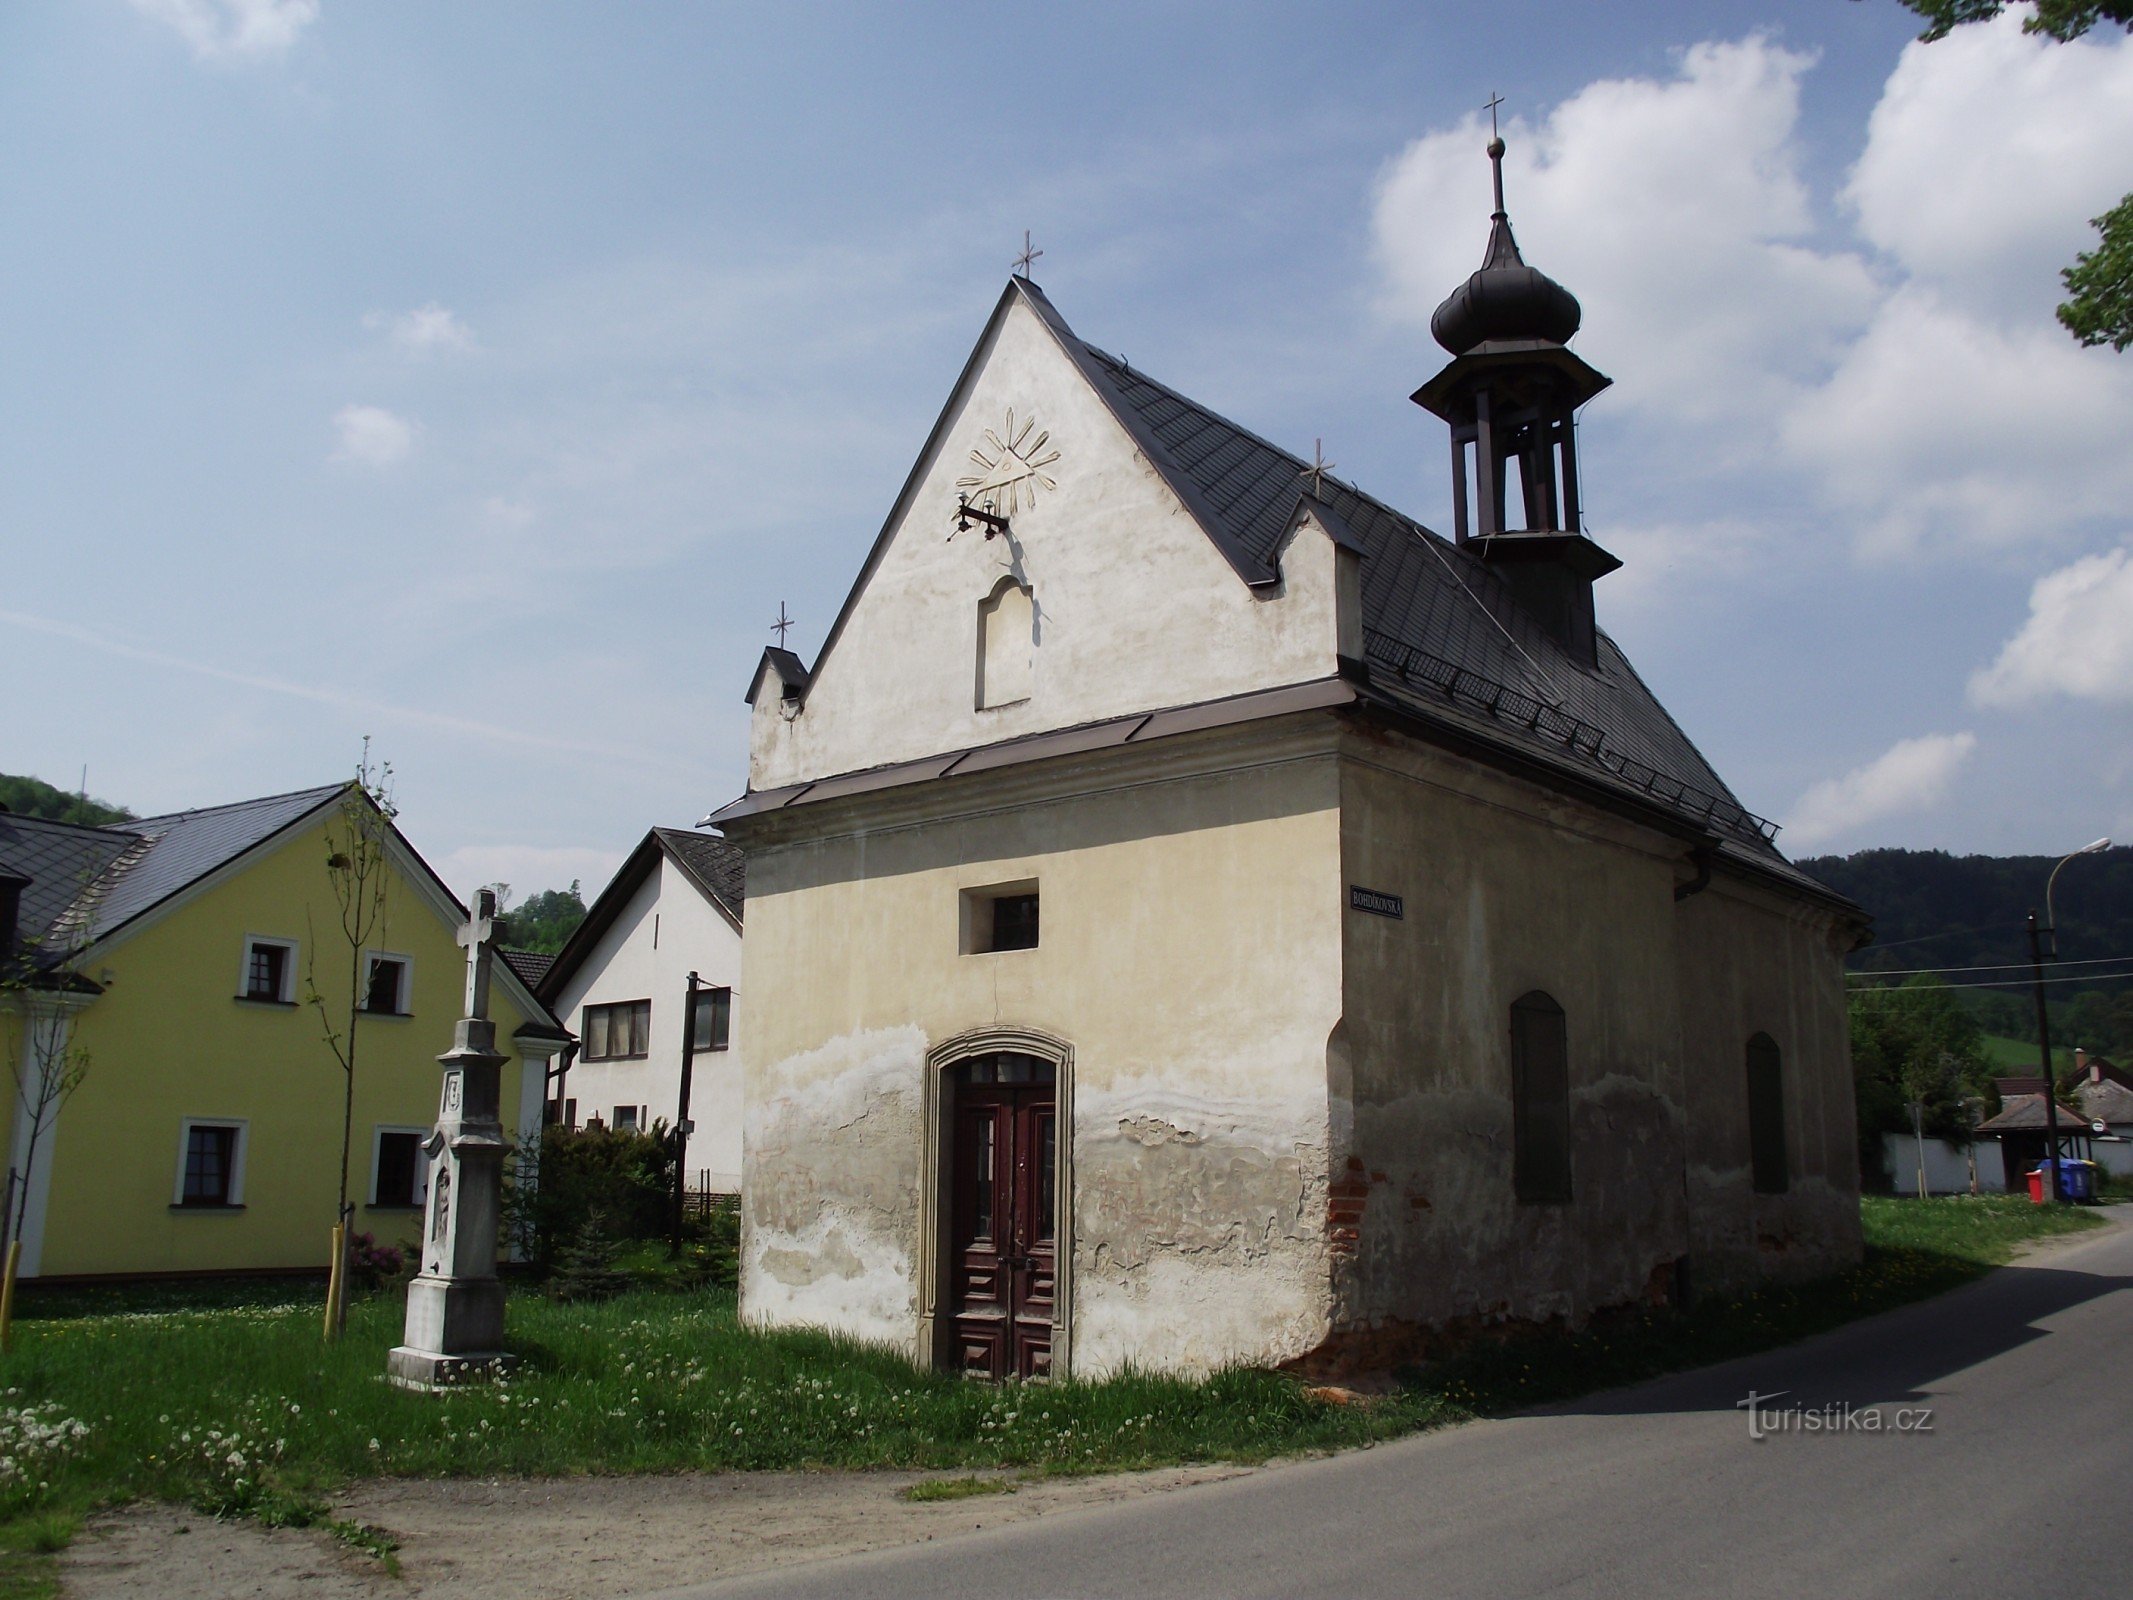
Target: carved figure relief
{"type": "Point", "coordinates": [1010, 463]}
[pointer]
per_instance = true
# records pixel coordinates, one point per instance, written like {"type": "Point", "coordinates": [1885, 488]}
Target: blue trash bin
{"type": "Point", "coordinates": [2077, 1181]}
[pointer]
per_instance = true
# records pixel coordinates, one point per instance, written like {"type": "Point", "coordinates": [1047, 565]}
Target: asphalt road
{"type": "Point", "coordinates": [2023, 1485]}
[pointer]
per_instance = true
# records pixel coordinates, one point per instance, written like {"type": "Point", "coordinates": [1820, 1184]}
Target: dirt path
{"type": "Point", "coordinates": [559, 1539]}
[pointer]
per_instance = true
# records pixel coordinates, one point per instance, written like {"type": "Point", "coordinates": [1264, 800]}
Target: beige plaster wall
{"type": "Point", "coordinates": [1189, 956]}
{"type": "Point", "coordinates": [1751, 964]}
{"type": "Point", "coordinates": [1122, 622]}
{"type": "Point", "coordinates": [1507, 889]}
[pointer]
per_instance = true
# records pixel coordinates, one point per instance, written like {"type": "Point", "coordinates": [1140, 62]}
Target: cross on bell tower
{"type": "Point", "coordinates": [1511, 394]}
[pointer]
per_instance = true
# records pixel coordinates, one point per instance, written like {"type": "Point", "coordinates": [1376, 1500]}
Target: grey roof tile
{"type": "Point", "coordinates": [717, 865]}
{"type": "Point", "coordinates": [61, 860]}
{"type": "Point", "coordinates": [530, 965]}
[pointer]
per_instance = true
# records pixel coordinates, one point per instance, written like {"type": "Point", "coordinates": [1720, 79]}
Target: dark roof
{"type": "Point", "coordinates": [61, 861]}
{"type": "Point", "coordinates": [187, 845]}
{"type": "Point", "coordinates": [716, 867]}
{"type": "Point", "coordinates": [88, 882]}
{"type": "Point", "coordinates": [2106, 1101]}
{"type": "Point", "coordinates": [2024, 1113]}
{"type": "Point", "coordinates": [530, 965]}
{"type": "Point", "coordinates": [1444, 640]}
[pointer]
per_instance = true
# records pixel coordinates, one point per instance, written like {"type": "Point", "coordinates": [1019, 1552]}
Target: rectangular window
{"type": "Point", "coordinates": [1540, 1100]}
{"type": "Point", "coordinates": [618, 1032]}
{"type": "Point", "coordinates": [210, 1164]}
{"type": "Point", "coordinates": [387, 992]}
{"type": "Point", "coordinates": [714, 1018]}
{"type": "Point", "coordinates": [269, 971]}
{"type": "Point", "coordinates": [630, 1117]}
{"type": "Point", "coordinates": [1001, 917]}
{"type": "Point", "coordinates": [399, 1170]}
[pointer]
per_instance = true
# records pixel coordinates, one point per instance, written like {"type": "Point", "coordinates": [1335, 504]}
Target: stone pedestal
{"type": "Point", "coordinates": [455, 1308]}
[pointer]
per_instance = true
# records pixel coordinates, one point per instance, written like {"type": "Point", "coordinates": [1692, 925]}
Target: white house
{"type": "Point", "coordinates": [621, 986]}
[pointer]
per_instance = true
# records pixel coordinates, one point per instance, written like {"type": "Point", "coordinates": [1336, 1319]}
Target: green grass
{"type": "Point", "coordinates": [1981, 1230]}
{"type": "Point", "coordinates": [234, 1406]}
{"type": "Point", "coordinates": [963, 1488]}
{"type": "Point", "coordinates": [2013, 1057]}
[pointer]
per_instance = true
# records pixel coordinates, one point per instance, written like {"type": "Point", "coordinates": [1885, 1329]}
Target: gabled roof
{"type": "Point", "coordinates": [88, 883]}
{"type": "Point", "coordinates": [716, 868]}
{"type": "Point", "coordinates": [2024, 1113]}
{"type": "Point", "coordinates": [1444, 640]}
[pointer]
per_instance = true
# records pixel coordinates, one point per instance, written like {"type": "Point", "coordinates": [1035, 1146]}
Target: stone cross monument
{"type": "Point", "coordinates": [455, 1307]}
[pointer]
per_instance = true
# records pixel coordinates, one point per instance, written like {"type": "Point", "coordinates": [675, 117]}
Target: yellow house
{"type": "Point", "coordinates": [175, 958]}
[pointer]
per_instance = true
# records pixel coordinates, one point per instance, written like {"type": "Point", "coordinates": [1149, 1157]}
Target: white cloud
{"type": "Point", "coordinates": [1940, 426]}
{"type": "Point", "coordinates": [371, 436]}
{"type": "Point", "coordinates": [1675, 211]}
{"type": "Point", "coordinates": [2077, 642]}
{"type": "Point", "coordinates": [1905, 379]}
{"type": "Point", "coordinates": [1912, 775]}
{"type": "Point", "coordinates": [234, 30]}
{"type": "Point", "coordinates": [426, 330]}
{"type": "Point", "coordinates": [1988, 153]}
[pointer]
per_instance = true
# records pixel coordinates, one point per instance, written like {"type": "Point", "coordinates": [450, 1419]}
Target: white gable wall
{"type": "Point", "coordinates": [667, 929]}
{"type": "Point", "coordinates": [1134, 607]}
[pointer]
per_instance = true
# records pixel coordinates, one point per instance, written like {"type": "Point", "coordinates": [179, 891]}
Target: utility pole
{"type": "Point", "coordinates": [2037, 953]}
{"type": "Point", "coordinates": [682, 1126]}
{"type": "Point", "coordinates": [2037, 936]}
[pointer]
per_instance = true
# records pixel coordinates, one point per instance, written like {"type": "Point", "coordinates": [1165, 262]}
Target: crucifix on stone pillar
{"type": "Point", "coordinates": [477, 936]}
{"type": "Point", "coordinates": [455, 1307]}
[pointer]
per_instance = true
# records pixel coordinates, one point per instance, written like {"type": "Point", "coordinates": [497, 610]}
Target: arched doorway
{"type": "Point", "coordinates": [994, 1286]}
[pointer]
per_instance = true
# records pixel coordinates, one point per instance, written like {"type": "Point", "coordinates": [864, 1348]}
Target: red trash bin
{"type": "Point", "coordinates": [2036, 1187]}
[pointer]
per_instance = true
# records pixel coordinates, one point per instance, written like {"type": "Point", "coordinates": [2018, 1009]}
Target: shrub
{"type": "Point", "coordinates": [373, 1265]}
{"type": "Point", "coordinates": [623, 1176]}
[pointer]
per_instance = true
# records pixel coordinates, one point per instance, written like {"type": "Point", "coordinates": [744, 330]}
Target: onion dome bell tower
{"type": "Point", "coordinates": [1509, 394]}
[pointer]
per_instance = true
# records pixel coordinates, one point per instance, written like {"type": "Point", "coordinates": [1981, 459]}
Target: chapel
{"type": "Point", "coordinates": [1199, 914]}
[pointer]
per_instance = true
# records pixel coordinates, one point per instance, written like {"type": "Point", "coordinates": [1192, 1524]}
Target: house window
{"type": "Point", "coordinates": [399, 1168]}
{"type": "Point", "coordinates": [628, 1117]}
{"type": "Point", "coordinates": [1766, 1117]}
{"type": "Point", "coordinates": [1007, 631]}
{"type": "Point", "coordinates": [269, 971]}
{"type": "Point", "coordinates": [1001, 917]}
{"type": "Point", "coordinates": [387, 992]}
{"type": "Point", "coordinates": [1540, 1100]}
{"type": "Point", "coordinates": [714, 1019]}
{"type": "Point", "coordinates": [619, 1031]}
{"type": "Point", "coordinates": [210, 1164]}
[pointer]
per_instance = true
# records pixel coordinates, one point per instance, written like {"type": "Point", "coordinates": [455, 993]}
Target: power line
{"type": "Point", "coordinates": [1946, 933]}
{"type": "Point", "coordinates": [1989, 983]}
{"type": "Point", "coordinates": [1990, 966]}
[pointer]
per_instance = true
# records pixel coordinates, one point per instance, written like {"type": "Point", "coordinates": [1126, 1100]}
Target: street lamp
{"type": "Point", "coordinates": [2037, 937]}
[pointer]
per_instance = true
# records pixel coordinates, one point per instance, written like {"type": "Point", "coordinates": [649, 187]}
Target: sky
{"type": "Point", "coordinates": [482, 378]}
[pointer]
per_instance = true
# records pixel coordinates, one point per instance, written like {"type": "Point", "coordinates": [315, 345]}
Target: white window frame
{"type": "Point", "coordinates": [638, 1126]}
{"type": "Point", "coordinates": [422, 1164]}
{"type": "Point", "coordinates": [287, 997]}
{"type": "Point", "coordinates": [243, 1125]}
{"type": "Point", "coordinates": [405, 999]}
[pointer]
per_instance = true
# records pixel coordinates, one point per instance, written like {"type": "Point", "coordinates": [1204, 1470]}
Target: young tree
{"type": "Point", "coordinates": [358, 844]}
{"type": "Point", "coordinates": [38, 1000]}
{"type": "Point", "coordinates": [2099, 285]}
{"type": "Point", "coordinates": [1915, 1052]}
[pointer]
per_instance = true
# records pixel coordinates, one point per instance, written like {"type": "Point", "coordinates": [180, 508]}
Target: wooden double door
{"type": "Point", "coordinates": [1003, 1244]}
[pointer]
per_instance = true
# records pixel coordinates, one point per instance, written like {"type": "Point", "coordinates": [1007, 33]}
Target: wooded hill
{"type": "Point", "coordinates": [1948, 913]}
